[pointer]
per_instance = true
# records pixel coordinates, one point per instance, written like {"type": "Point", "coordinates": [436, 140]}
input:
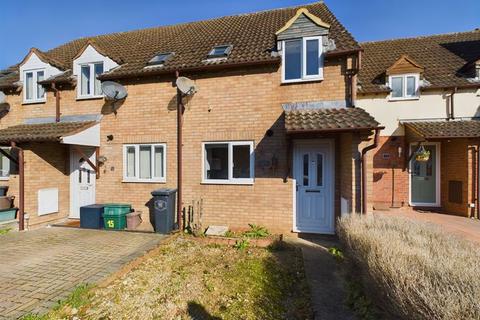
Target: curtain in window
{"type": "Point", "coordinates": [40, 88]}
{"type": "Point", "coordinates": [85, 80]}
{"type": "Point", "coordinates": [29, 85]}
{"type": "Point", "coordinates": [145, 162]}
{"type": "Point", "coordinates": [130, 162]}
{"type": "Point", "coordinates": [411, 86]}
{"type": "Point", "coordinates": [98, 83]}
{"type": "Point", "coordinates": [4, 166]}
{"type": "Point", "coordinates": [158, 158]}
{"type": "Point", "coordinates": [397, 87]}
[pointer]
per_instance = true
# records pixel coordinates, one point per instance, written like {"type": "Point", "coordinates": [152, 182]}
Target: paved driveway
{"type": "Point", "coordinates": [37, 268]}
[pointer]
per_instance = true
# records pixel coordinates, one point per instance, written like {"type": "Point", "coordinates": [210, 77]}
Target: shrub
{"type": "Point", "coordinates": [412, 269]}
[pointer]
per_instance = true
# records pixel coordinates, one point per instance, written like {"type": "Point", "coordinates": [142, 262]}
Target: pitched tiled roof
{"type": "Point", "coordinates": [446, 59]}
{"type": "Point", "coordinates": [324, 119]}
{"type": "Point", "coordinates": [42, 132]}
{"type": "Point", "coordinates": [8, 81]}
{"type": "Point", "coordinates": [251, 35]}
{"type": "Point", "coordinates": [445, 129]}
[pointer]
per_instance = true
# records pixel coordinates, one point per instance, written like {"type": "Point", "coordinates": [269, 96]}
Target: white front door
{"type": "Point", "coordinates": [82, 181]}
{"type": "Point", "coordinates": [313, 167]}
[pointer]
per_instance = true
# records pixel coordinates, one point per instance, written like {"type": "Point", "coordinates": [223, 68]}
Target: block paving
{"type": "Point", "coordinates": [40, 267]}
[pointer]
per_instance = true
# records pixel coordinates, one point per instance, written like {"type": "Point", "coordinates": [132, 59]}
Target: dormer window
{"type": "Point", "coordinates": [33, 91]}
{"type": "Point", "coordinates": [220, 51]}
{"type": "Point", "coordinates": [89, 85]}
{"type": "Point", "coordinates": [160, 59]}
{"type": "Point", "coordinates": [404, 86]}
{"type": "Point", "coordinates": [302, 59]}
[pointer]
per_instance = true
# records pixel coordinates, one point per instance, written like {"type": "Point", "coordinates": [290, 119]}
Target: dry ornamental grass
{"type": "Point", "coordinates": [412, 269]}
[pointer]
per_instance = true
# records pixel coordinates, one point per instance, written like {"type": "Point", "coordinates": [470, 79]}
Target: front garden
{"type": "Point", "coordinates": [188, 279]}
{"type": "Point", "coordinates": [410, 270]}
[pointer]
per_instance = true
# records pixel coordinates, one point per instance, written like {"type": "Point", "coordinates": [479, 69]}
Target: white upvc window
{"type": "Point", "coordinates": [4, 165]}
{"type": "Point", "coordinates": [302, 59]}
{"type": "Point", "coordinates": [33, 92]}
{"type": "Point", "coordinates": [88, 84]}
{"type": "Point", "coordinates": [405, 86]}
{"type": "Point", "coordinates": [228, 162]}
{"type": "Point", "coordinates": [144, 162]}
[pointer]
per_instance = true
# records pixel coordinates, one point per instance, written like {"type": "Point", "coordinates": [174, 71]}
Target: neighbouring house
{"type": "Point", "coordinates": [272, 136]}
{"type": "Point", "coordinates": [425, 91]}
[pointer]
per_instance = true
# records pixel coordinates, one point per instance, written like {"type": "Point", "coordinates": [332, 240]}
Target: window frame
{"type": "Point", "coordinates": [136, 179]}
{"type": "Point", "coordinates": [230, 180]}
{"type": "Point", "coordinates": [35, 84]}
{"type": "Point", "coordinates": [404, 89]}
{"type": "Point", "coordinates": [7, 177]}
{"type": "Point", "coordinates": [304, 77]}
{"type": "Point", "coordinates": [92, 79]}
{"type": "Point", "coordinates": [226, 53]}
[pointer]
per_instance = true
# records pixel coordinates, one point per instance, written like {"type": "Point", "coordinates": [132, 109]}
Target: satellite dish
{"type": "Point", "coordinates": [186, 86]}
{"type": "Point", "coordinates": [2, 97]}
{"type": "Point", "coordinates": [114, 91]}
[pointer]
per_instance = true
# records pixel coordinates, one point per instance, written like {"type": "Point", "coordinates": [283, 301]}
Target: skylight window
{"type": "Point", "coordinates": [220, 51]}
{"type": "Point", "coordinates": [160, 59]}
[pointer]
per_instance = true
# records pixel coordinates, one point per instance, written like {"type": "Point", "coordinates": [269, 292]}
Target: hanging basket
{"type": "Point", "coordinates": [423, 156]}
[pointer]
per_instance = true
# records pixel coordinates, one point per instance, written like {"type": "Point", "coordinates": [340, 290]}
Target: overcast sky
{"type": "Point", "coordinates": [46, 24]}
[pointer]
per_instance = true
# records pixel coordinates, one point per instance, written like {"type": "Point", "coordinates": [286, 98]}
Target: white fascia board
{"type": "Point", "coordinates": [87, 137]}
{"type": "Point", "coordinates": [90, 55]}
{"type": "Point", "coordinates": [34, 63]}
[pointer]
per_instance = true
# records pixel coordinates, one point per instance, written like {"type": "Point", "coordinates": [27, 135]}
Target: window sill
{"type": "Point", "coordinates": [144, 181]}
{"type": "Point", "coordinates": [404, 99]}
{"type": "Point", "coordinates": [227, 182]}
{"type": "Point", "coordinates": [90, 98]}
{"type": "Point", "coordinates": [302, 80]}
{"type": "Point", "coordinates": [4, 178]}
{"type": "Point", "coordinates": [34, 102]}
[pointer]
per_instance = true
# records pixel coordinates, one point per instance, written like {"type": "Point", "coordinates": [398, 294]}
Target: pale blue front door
{"type": "Point", "coordinates": [424, 178]}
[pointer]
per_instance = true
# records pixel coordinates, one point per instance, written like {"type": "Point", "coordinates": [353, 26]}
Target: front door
{"type": "Point", "coordinates": [82, 181]}
{"type": "Point", "coordinates": [314, 175]}
{"type": "Point", "coordinates": [424, 178]}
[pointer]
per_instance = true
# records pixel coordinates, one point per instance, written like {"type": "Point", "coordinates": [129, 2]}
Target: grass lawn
{"type": "Point", "coordinates": [188, 280]}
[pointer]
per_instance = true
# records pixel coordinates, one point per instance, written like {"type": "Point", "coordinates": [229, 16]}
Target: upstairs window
{"type": "Point", "coordinates": [33, 91]}
{"type": "Point", "coordinates": [220, 51]}
{"type": "Point", "coordinates": [302, 59]}
{"type": "Point", "coordinates": [90, 86]}
{"type": "Point", "coordinates": [228, 162]}
{"type": "Point", "coordinates": [404, 86]}
{"type": "Point", "coordinates": [477, 71]}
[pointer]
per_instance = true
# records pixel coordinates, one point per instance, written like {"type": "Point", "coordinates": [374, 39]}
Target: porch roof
{"type": "Point", "coordinates": [53, 131]}
{"type": "Point", "coordinates": [444, 129]}
{"type": "Point", "coordinates": [329, 119]}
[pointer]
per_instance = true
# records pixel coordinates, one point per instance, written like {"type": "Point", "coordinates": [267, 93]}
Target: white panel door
{"type": "Point", "coordinates": [82, 181]}
{"type": "Point", "coordinates": [314, 172]}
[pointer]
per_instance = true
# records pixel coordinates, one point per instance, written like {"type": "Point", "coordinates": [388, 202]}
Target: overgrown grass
{"type": "Point", "coordinates": [5, 231]}
{"type": "Point", "coordinates": [414, 270]}
{"type": "Point", "coordinates": [188, 280]}
{"type": "Point", "coordinates": [79, 297]}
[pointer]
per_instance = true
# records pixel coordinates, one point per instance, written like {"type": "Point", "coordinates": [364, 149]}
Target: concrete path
{"type": "Point", "coordinates": [40, 267]}
{"type": "Point", "coordinates": [461, 226]}
{"type": "Point", "coordinates": [324, 276]}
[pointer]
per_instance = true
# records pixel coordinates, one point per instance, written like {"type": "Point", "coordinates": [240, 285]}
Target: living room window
{"type": "Point", "coordinates": [404, 86]}
{"type": "Point", "coordinates": [144, 162]}
{"type": "Point", "coordinates": [228, 162]}
{"type": "Point", "coordinates": [302, 59]}
{"type": "Point", "coordinates": [33, 91]}
{"type": "Point", "coordinates": [89, 85]}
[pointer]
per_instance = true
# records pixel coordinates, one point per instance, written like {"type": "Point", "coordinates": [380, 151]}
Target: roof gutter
{"type": "Point", "coordinates": [335, 130]}
{"type": "Point", "coordinates": [169, 71]}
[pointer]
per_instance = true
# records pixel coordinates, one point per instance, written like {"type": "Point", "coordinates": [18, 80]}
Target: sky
{"type": "Point", "coordinates": [47, 24]}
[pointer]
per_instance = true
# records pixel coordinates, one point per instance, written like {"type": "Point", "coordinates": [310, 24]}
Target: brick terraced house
{"type": "Point", "coordinates": [272, 136]}
{"type": "Point", "coordinates": [425, 91]}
